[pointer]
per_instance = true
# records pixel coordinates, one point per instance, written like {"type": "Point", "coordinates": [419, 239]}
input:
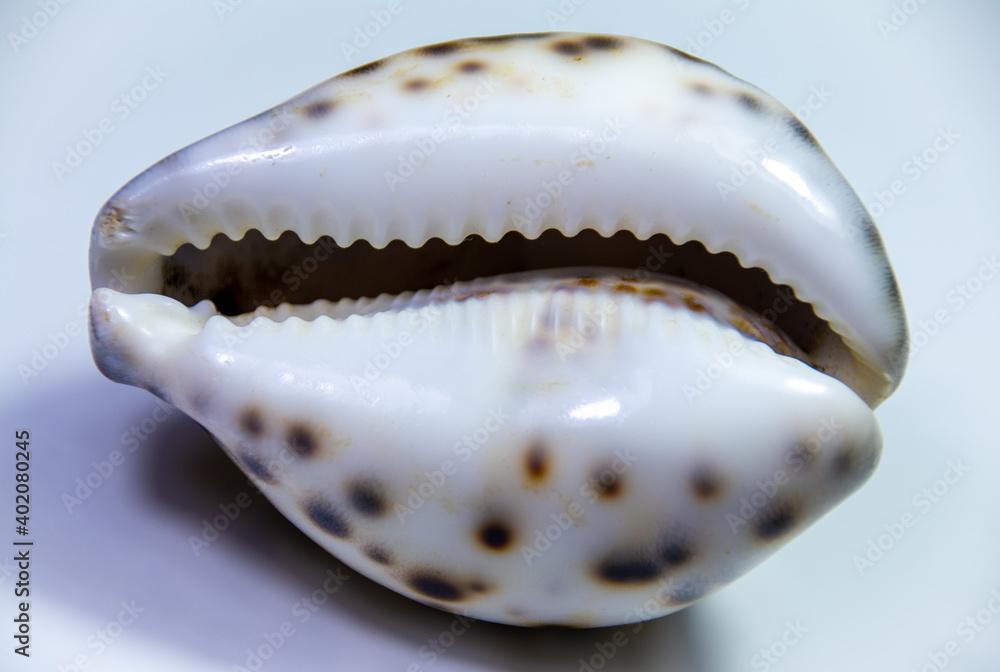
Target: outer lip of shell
{"type": "Point", "coordinates": [794, 216]}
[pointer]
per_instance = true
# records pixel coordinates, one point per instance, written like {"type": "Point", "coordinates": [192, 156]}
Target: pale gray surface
{"type": "Point", "coordinates": [886, 93]}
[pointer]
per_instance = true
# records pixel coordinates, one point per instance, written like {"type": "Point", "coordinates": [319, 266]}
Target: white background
{"type": "Point", "coordinates": [878, 82]}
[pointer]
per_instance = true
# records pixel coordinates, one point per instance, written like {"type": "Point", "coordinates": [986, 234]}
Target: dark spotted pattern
{"type": "Point", "coordinates": [800, 130]}
{"type": "Point", "coordinates": [628, 570]}
{"type": "Point", "coordinates": [471, 66]}
{"type": "Point", "coordinates": [328, 517]}
{"type": "Point", "coordinates": [318, 109]}
{"type": "Point", "coordinates": [568, 48]}
{"type": "Point", "coordinates": [536, 463]}
{"type": "Point", "coordinates": [257, 467]}
{"type": "Point", "coordinates": [749, 102]}
{"type": "Point", "coordinates": [365, 69]}
{"type": "Point", "coordinates": [495, 535]}
{"type": "Point", "coordinates": [251, 422]}
{"type": "Point", "coordinates": [706, 484]}
{"type": "Point", "coordinates": [607, 483]}
{"type": "Point", "coordinates": [440, 49]}
{"type": "Point", "coordinates": [496, 39]}
{"type": "Point", "coordinates": [775, 520]}
{"type": "Point", "coordinates": [367, 497]}
{"type": "Point", "coordinates": [436, 587]}
{"type": "Point", "coordinates": [693, 304]}
{"type": "Point", "coordinates": [845, 462]}
{"type": "Point", "coordinates": [416, 84]}
{"type": "Point", "coordinates": [571, 47]}
{"type": "Point", "coordinates": [512, 37]}
{"type": "Point", "coordinates": [602, 42]}
{"type": "Point", "coordinates": [378, 554]}
{"type": "Point", "coordinates": [302, 440]}
{"type": "Point", "coordinates": [676, 552]}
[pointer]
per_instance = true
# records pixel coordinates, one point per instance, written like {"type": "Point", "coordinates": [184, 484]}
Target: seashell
{"type": "Point", "coordinates": [542, 329]}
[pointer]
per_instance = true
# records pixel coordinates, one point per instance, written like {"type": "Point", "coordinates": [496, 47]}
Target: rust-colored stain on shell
{"type": "Point", "coordinates": [694, 304]}
{"type": "Point", "coordinates": [417, 84]}
{"type": "Point", "coordinates": [536, 464]}
{"type": "Point", "coordinates": [251, 422]}
{"type": "Point", "coordinates": [607, 483]}
{"type": "Point", "coordinates": [114, 222]}
{"type": "Point", "coordinates": [471, 66]}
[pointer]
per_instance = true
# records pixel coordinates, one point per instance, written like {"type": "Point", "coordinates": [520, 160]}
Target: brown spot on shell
{"type": "Point", "coordinates": [318, 109]}
{"type": "Point", "coordinates": [367, 497]}
{"type": "Point", "coordinates": [775, 520]}
{"type": "Point", "coordinates": [251, 422]}
{"type": "Point", "coordinates": [471, 66]}
{"type": "Point", "coordinates": [441, 48]}
{"type": "Point", "coordinates": [654, 292]}
{"type": "Point", "coordinates": [567, 48]}
{"type": "Point", "coordinates": [301, 440]}
{"type": "Point", "coordinates": [378, 554]}
{"type": "Point", "coordinates": [588, 282]}
{"type": "Point", "coordinates": [626, 288]}
{"type": "Point", "coordinates": [607, 483]}
{"type": "Point", "coordinates": [365, 69]}
{"type": "Point", "coordinates": [416, 84]}
{"type": "Point", "coordinates": [706, 484]}
{"type": "Point", "coordinates": [436, 587]}
{"type": "Point", "coordinates": [479, 586]}
{"type": "Point", "coordinates": [701, 88]}
{"type": "Point", "coordinates": [496, 39]}
{"type": "Point", "coordinates": [694, 304]}
{"type": "Point", "coordinates": [845, 461]}
{"type": "Point", "coordinates": [602, 42]}
{"type": "Point", "coordinates": [536, 463]}
{"type": "Point", "coordinates": [495, 535]}
{"type": "Point", "coordinates": [328, 517]}
{"type": "Point", "coordinates": [749, 101]}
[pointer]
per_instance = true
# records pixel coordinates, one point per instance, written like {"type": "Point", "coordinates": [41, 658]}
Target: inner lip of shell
{"type": "Point", "coordinates": [253, 272]}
